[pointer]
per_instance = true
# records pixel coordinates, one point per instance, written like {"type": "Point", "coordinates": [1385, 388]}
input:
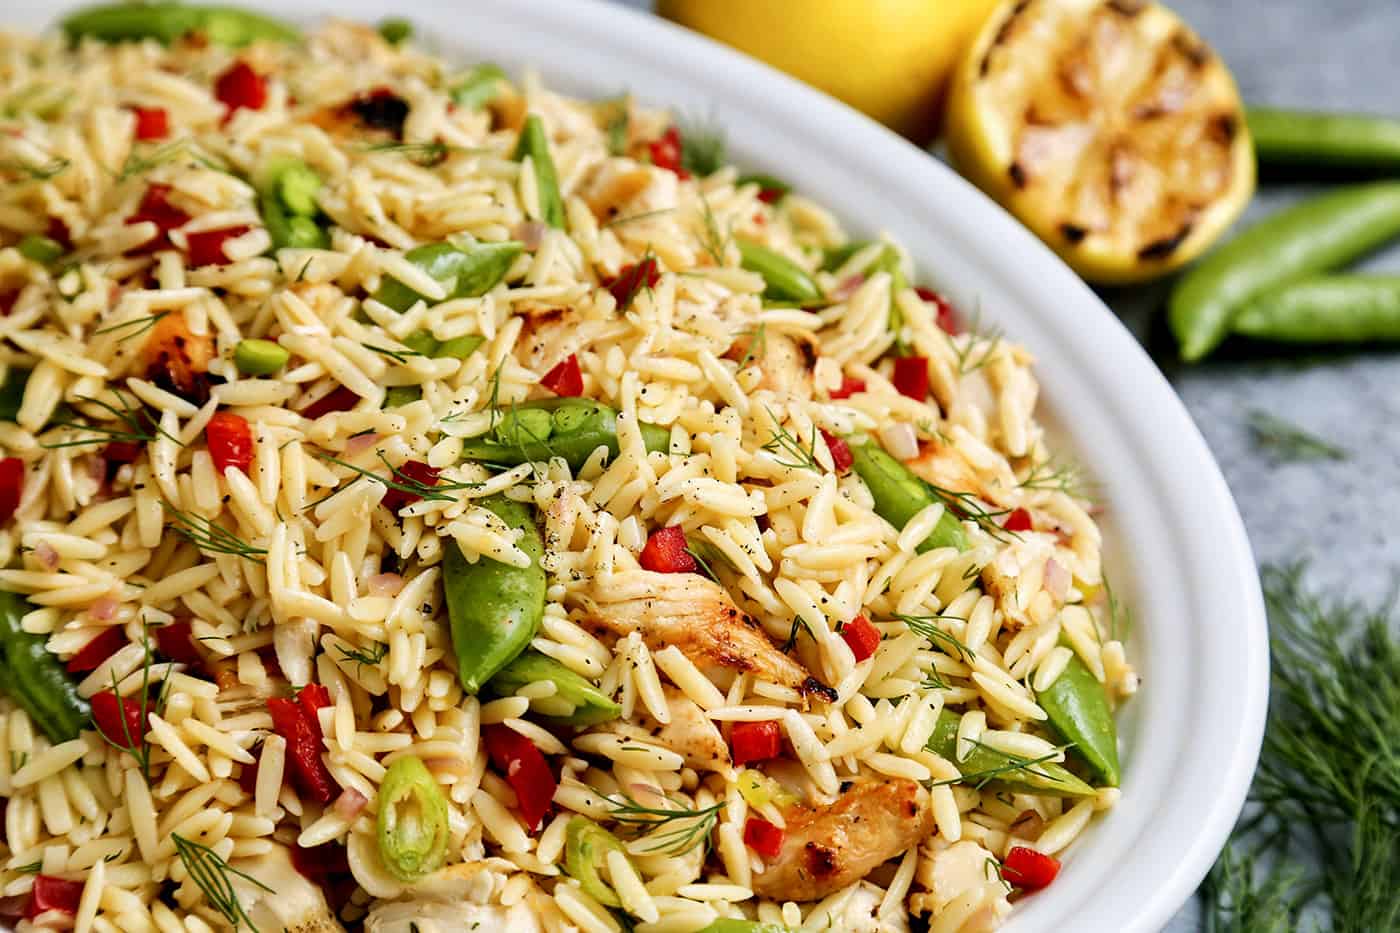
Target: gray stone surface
{"type": "Point", "coordinates": [1335, 55]}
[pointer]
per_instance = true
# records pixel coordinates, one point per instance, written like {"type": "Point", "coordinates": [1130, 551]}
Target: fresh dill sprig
{"type": "Point", "coordinates": [1059, 476]}
{"type": "Point", "coordinates": [208, 535]}
{"type": "Point", "coordinates": [139, 162]}
{"type": "Point", "coordinates": [785, 442]}
{"type": "Point", "coordinates": [758, 344]}
{"type": "Point", "coordinates": [146, 324]}
{"type": "Point", "coordinates": [139, 427]}
{"type": "Point", "coordinates": [1120, 614]}
{"type": "Point", "coordinates": [1243, 896]}
{"type": "Point", "coordinates": [643, 215]}
{"type": "Point", "coordinates": [968, 507]}
{"type": "Point", "coordinates": [210, 873]}
{"type": "Point", "coordinates": [639, 279]}
{"type": "Point", "coordinates": [1285, 442]}
{"type": "Point", "coordinates": [50, 169]}
{"type": "Point", "coordinates": [139, 746]}
{"type": "Point", "coordinates": [702, 148]}
{"type": "Point", "coordinates": [927, 626]}
{"type": "Point", "coordinates": [714, 243]}
{"type": "Point", "coordinates": [398, 356]}
{"type": "Point", "coordinates": [799, 625]}
{"type": "Point", "coordinates": [1012, 764]}
{"type": "Point", "coordinates": [991, 870]}
{"type": "Point", "coordinates": [403, 482]}
{"type": "Point", "coordinates": [978, 348]}
{"type": "Point", "coordinates": [675, 831]}
{"type": "Point", "coordinates": [361, 657]}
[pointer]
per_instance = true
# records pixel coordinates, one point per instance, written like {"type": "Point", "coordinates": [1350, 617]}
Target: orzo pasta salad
{"type": "Point", "coordinates": [431, 503]}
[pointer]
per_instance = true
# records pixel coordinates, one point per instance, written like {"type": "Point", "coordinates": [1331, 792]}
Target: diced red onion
{"type": "Point", "coordinates": [361, 442]}
{"type": "Point", "coordinates": [46, 556]}
{"type": "Point", "coordinates": [847, 287]}
{"type": "Point", "coordinates": [385, 584]}
{"type": "Point", "coordinates": [1057, 579]}
{"type": "Point", "coordinates": [349, 804]}
{"type": "Point", "coordinates": [530, 233]}
{"type": "Point", "coordinates": [103, 610]}
{"type": "Point", "coordinates": [900, 440]}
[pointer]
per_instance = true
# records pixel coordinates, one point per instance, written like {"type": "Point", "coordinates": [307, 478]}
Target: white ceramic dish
{"type": "Point", "coordinates": [1173, 534]}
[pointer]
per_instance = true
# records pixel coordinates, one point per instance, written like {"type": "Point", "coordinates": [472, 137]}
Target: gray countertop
{"type": "Point", "coordinates": [1333, 514]}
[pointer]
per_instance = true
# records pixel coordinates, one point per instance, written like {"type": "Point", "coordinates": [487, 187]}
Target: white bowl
{"type": "Point", "coordinates": [1173, 535]}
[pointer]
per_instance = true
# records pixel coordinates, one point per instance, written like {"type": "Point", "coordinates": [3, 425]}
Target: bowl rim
{"type": "Point", "coordinates": [1203, 646]}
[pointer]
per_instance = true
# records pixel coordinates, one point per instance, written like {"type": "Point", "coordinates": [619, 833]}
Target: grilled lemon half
{"type": "Point", "coordinates": [1106, 126]}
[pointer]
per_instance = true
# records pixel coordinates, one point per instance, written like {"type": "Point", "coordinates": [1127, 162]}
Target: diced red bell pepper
{"type": "Point", "coordinates": [314, 698]}
{"type": "Point", "coordinates": [862, 636]}
{"type": "Point", "coordinates": [771, 195]}
{"type": "Point", "coordinates": [1028, 869]}
{"type": "Point", "coordinates": [565, 379]}
{"type": "Point", "coordinates": [119, 452]}
{"type": "Point", "coordinates": [151, 123]}
{"type": "Point", "coordinates": [525, 770]}
{"type": "Point", "coordinates": [666, 152]}
{"type": "Point", "coordinates": [418, 472]}
{"type": "Point", "coordinates": [97, 650]}
{"type": "Point", "coordinates": [58, 231]}
{"type": "Point", "coordinates": [342, 399]}
{"type": "Point", "coordinates": [8, 300]}
{"type": "Point", "coordinates": [755, 741]}
{"type": "Point", "coordinates": [119, 719]}
{"type": "Point", "coordinates": [230, 439]}
{"type": "Point", "coordinates": [763, 837]}
{"type": "Point", "coordinates": [176, 642]}
{"type": "Point", "coordinates": [911, 376]}
{"type": "Point", "coordinates": [320, 863]}
{"type": "Point", "coordinates": [11, 486]}
{"type": "Point", "coordinates": [155, 206]}
{"type": "Point", "coordinates": [840, 451]}
{"type": "Point", "coordinates": [309, 772]}
{"type": "Point", "coordinates": [848, 387]}
{"type": "Point", "coordinates": [206, 248]}
{"type": "Point", "coordinates": [632, 279]}
{"type": "Point", "coordinates": [51, 893]}
{"type": "Point", "coordinates": [944, 316]}
{"type": "Point", "coordinates": [666, 551]}
{"type": "Point", "coordinates": [1018, 520]}
{"type": "Point", "coordinates": [241, 86]}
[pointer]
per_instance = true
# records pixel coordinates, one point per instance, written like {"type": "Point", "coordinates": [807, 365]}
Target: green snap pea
{"type": "Point", "coordinates": [731, 925]}
{"type": "Point", "coordinates": [166, 22]}
{"type": "Point", "coordinates": [573, 429]}
{"type": "Point", "coordinates": [256, 357]}
{"type": "Point", "coordinates": [40, 249]}
{"type": "Point", "coordinates": [35, 679]}
{"type": "Point", "coordinates": [287, 202]}
{"type": "Point", "coordinates": [1077, 705]}
{"type": "Point", "coordinates": [494, 608]}
{"type": "Point", "coordinates": [534, 142]}
{"type": "Point", "coordinates": [586, 849]}
{"type": "Point", "coordinates": [900, 495]}
{"type": "Point", "coordinates": [1325, 309]}
{"type": "Point", "coordinates": [12, 392]}
{"type": "Point", "coordinates": [458, 348]}
{"type": "Point", "coordinates": [395, 396]}
{"type": "Point", "coordinates": [888, 261]}
{"type": "Point", "coordinates": [412, 823]}
{"type": "Point", "coordinates": [1308, 140]}
{"type": "Point", "coordinates": [989, 766]}
{"type": "Point", "coordinates": [395, 30]}
{"type": "Point", "coordinates": [297, 184]}
{"type": "Point", "coordinates": [577, 701]}
{"type": "Point", "coordinates": [464, 271]}
{"type": "Point", "coordinates": [480, 86]}
{"type": "Point", "coordinates": [1313, 236]}
{"type": "Point", "coordinates": [834, 257]}
{"type": "Point", "coordinates": [784, 279]}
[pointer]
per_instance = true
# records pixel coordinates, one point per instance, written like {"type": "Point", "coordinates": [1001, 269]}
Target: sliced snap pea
{"type": "Point", "coordinates": [396, 396]}
{"type": "Point", "coordinates": [534, 142]}
{"type": "Point", "coordinates": [287, 202]}
{"type": "Point", "coordinates": [899, 495]}
{"type": "Point", "coordinates": [834, 257]}
{"type": "Point", "coordinates": [297, 184]}
{"type": "Point", "coordinates": [1077, 705]}
{"type": "Point", "coordinates": [590, 706]}
{"type": "Point", "coordinates": [494, 608]}
{"type": "Point", "coordinates": [1313, 236]}
{"type": "Point", "coordinates": [784, 279]}
{"type": "Point", "coordinates": [573, 429]}
{"type": "Point", "coordinates": [166, 22]}
{"type": "Point", "coordinates": [412, 823]}
{"type": "Point", "coordinates": [12, 392]}
{"type": "Point", "coordinates": [288, 230]}
{"type": "Point", "coordinates": [458, 348]}
{"type": "Point", "coordinates": [40, 249]}
{"type": "Point", "coordinates": [35, 679]}
{"type": "Point", "coordinates": [1304, 140]}
{"type": "Point", "coordinates": [464, 271]}
{"type": "Point", "coordinates": [480, 86]}
{"type": "Point", "coordinates": [888, 261]}
{"type": "Point", "coordinates": [987, 765]}
{"type": "Point", "coordinates": [256, 357]}
{"type": "Point", "coordinates": [1325, 309]}
{"type": "Point", "coordinates": [395, 30]}
{"type": "Point", "coordinates": [586, 849]}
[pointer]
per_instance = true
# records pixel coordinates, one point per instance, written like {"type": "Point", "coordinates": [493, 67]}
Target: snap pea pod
{"type": "Point", "coordinates": [35, 679]}
{"type": "Point", "coordinates": [12, 392]}
{"type": "Point", "coordinates": [1077, 705]}
{"type": "Point", "coordinates": [412, 823]}
{"type": "Point", "coordinates": [40, 249]}
{"type": "Point", "coordinates": [571, 428]}
{"type": "Point", "coordinates": [834, 257]}
{"type": "Point", "coordinates": [1325, 309]}
{"type": "Point", "coordinates": [395, 396]}
{"type": "Point", "coordinates": [494, 608]}
{"type": "Point", "coordinates": [480, 86]}
{"type": "Point", "coordinates": [458, 348]}
{"type": "Point", "coordinates": [287, 202]}
{"type": "Point", "coordinates": [589, 705]}
{"type": "Point", "coordinates": [464, 271]}
{"type": "Point", "coordinates": [900, 495]}
{"type": "Point", "coordinates": [534, 142]}
{"type": "Point", "coordinates": [1310, 140]}
{"type": "Point", "coordinates": [167, 22]}
{"type": "Point", "coordinates": [784, 279]}
{"type": "Point", "coordinates": [288, 230]}
{"type": "Point", "coordinates": [984, 764]}
{"type": "Point", "coordinates": [1313, 236]}
{"type": "Point", "coordinates": [254, 356]}
{"type": "Point", "coordinates": [586, 848]}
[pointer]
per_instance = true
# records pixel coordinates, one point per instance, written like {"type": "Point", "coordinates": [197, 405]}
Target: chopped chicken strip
{"type": "Point", "coordinates": [290, 902]}
{"type": "Point", "coordinates": [827, 848]}
{"type": "Point", "coordinates": [785, 361]}
{"type": "Point", "coordinates": [698, 617]}
{"type": "Point", "coordinates": [953, 872]}
{"type": "Point", "coordinates": [689, 734]}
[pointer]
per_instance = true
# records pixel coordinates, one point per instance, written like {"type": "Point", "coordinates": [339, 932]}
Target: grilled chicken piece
{"type": "Point", "coordinates": [859, 912]}
{"type": "Point", "coordinates": [289, 902]}
{"type": "Point", "coordinates": [450, 900]}
{"type": "Point", "coordinates": [954, 871]}
{"type": "Point", "coordinates": [689, 734]}
{"type": "Point", "coordinates": [827, 848]}
{"type": "Point", "coordinates": [177, 360]}
{"type": "Point", "coordinates": [785, 361]}
{"type": "Point", "coordinates": [697, 616]}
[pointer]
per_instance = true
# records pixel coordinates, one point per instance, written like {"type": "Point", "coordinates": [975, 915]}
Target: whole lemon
{"type": "Point", "coordinates": [889, 58]}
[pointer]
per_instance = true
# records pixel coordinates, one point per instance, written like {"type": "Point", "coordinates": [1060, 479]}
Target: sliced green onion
{"type": "Point", "coordinates": [412, 823]}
